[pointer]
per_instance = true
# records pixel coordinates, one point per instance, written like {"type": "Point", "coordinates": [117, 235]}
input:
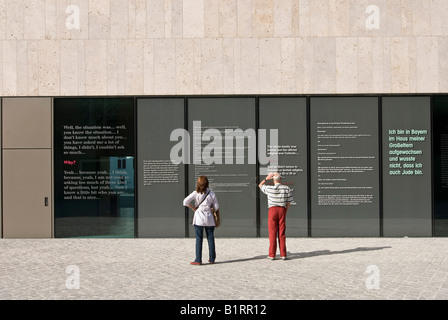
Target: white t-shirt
{"type": "Point", "coordinates": [203, 215]}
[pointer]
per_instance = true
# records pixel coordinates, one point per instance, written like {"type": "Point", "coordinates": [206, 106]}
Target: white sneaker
{"type": "Point", "coordinates": [283, 258]}
{"type": "Point", "coordinates": [270, 258]}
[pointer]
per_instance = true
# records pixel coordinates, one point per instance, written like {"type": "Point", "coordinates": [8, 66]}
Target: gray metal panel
{"type": "Point", "coordinates": [406, 177]}
{"type": "Point", "coordinates": [26, 184]}
{"type": "Point", "coordinates": [160, 194]}
{"type": "Point", "coordinates": [27, 167]}
{"type": "Point", "coordinates": [234, 184]}
{"type": "Point", "coordinates": [27, 123]}
{"type": "Point", "coordinates": [288, 115]}
{"type": "Point", "coordinates": [344, 166]}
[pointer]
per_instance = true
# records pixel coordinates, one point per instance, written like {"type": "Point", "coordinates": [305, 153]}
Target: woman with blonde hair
{"type": "Point", "coordinates": [203, 218]}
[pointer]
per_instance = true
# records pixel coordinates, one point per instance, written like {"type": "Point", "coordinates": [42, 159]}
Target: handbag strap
{"type": "Point", "coordinates": [204, 198]}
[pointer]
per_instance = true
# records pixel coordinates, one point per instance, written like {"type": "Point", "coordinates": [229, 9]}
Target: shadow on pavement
{"type": "Point", "coordinates": [303, 255]}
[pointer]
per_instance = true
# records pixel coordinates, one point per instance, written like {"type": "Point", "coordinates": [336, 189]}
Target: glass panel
{"type": "Point", "coordinates": [161, 183]}
{"type": "Point", "coordinates": [406, 166]}
{"type": "Point", "coordinates": [288, 116]}
{"type": "Point", "coordinates": [213, 122]}
{"type": "Point", "coordinates": [344, 166]}
{"type": "Point", "coordinates": [93, 196]}
{"type": "Point", "coordinates": [440, 164]}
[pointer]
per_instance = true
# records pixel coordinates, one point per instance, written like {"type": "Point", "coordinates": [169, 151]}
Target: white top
{"type": "Point", "coordinates": [203, 215]}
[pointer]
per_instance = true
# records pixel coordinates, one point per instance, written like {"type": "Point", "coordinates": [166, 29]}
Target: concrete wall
{"type": "Point", "coordinates": [171, 47]}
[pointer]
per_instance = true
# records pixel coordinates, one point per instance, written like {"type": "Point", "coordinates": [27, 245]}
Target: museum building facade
{"type": "Point", "coordinates": [111, 110]}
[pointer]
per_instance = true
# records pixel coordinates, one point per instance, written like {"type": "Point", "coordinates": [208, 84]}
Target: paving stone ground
{"type": "Point", "coordinates": [159, 269]}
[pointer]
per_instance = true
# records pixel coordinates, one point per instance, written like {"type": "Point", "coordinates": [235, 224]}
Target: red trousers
{"type": "Point", "coordinates": [277, 228]}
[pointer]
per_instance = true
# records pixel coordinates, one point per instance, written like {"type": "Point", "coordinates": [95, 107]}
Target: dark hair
{"type": "Point", "coordinates": [202, 184]}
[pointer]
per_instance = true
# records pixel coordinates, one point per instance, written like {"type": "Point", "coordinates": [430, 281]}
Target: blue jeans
{"type": "Point", "coordinates": [199, 230]}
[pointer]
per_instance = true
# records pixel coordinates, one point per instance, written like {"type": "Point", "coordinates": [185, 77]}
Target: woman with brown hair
{"type": "Point", "coordinates": [203, 218]}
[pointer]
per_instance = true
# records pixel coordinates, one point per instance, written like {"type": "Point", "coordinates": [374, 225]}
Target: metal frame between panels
{"type": "Point", "coordinates": [380, 163]}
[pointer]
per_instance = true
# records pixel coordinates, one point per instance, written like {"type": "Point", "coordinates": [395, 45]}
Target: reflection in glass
{"type": "Point", "coordinates": [94, 168]}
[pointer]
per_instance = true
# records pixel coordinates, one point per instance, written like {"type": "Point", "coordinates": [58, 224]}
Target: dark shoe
{"type": "Point", "coordinates": [211, 262]}
{"type": "Point", "coordinates": [195, 263]}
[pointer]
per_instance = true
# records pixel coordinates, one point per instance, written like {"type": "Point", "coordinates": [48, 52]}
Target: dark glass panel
{"type": "Point", "coordinates": [93, 196]}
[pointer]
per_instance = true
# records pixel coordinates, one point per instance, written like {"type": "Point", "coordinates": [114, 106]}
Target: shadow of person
{"type": "Point", "coordinates": [304, 255]}
{"type": "Point", "coordinates": [241, 260]}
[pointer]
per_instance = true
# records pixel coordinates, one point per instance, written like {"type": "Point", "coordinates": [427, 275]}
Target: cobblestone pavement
{"type": "Point", "coordinates": [317, 268]}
